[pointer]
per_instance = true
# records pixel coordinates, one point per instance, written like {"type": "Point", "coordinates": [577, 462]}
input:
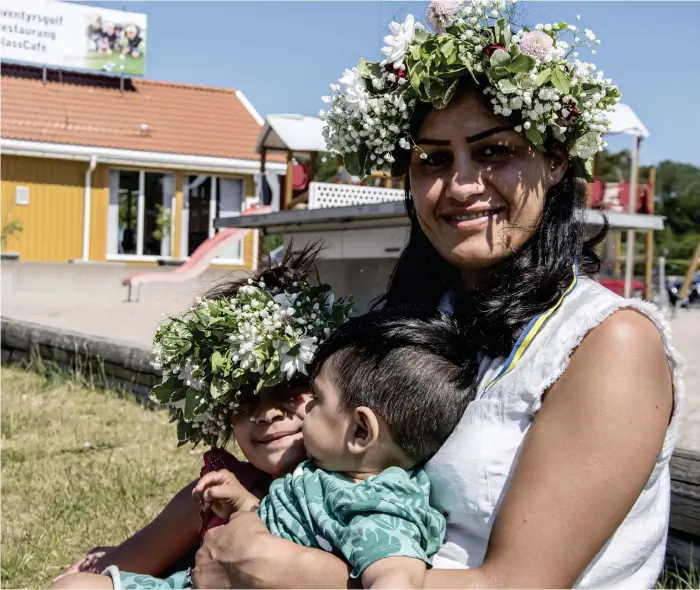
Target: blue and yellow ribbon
{"type": "Point", "coordinates": [531, 330]}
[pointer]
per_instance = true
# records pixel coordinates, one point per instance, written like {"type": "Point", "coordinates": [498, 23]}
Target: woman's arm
{"type": "Point", "coordinates": [156, 546]}
{"type": "Point", "coordinates": [584, 462]}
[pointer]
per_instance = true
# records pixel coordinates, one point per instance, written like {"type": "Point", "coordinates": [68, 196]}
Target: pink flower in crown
{"type": "Point", "coordinates": [536, 44]}
{"type": "Point", "coordinates": [442, 13]}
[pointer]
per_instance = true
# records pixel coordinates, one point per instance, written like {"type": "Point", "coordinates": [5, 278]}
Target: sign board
{"type": "Point", "coordinates": [66, 35]}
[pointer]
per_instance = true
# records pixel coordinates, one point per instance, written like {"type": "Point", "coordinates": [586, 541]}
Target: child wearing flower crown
{"type": "Point", "coordinates": [267, 429]}
{"type": "Point", "coordinates": [388, 389]}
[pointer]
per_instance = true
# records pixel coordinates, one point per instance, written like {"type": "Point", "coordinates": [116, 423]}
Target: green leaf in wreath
{"type": "Point", "coordinates": [502, 32]}
{"type": "Point", "coordinates": [560, 81]}
{"type": "Point", "coordinates": [217, 361]}
{"type": "Point", "coordinates": [441, 100]}
{"type": "Point", "coordinates": [178, 395]}
{"type": "Point", "coordinates": [543, 76]}
{"type": "Point", "coordinates": [506, 86]}
{"type": "Point", "coordinates": [195, 404]}
{"type": "Point", "coordinates": [216, 388]}
{"type": "Point", "coordinates": [524, 81]}
{"type": "Point", "coordinates": [498, 73]}
{"type": "Point", "coordinates": [521, 63]}
{"type": "Point", "coordinates": [369, 69]}
{"type": "Point", "coordinates": [420, 35]}
{"type": "Point", "coordinates": [534, 135]}
{"type": "Point", "coordinates": [161, 393]}
{"type": "Point", "coordinates": [447, 48]}
{"type": "Point", "coordinates": [500, 58]}
{"type": "Point", "coordinates": [184, 431]}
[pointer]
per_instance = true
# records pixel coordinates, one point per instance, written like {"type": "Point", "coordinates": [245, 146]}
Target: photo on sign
{"type": "Point", "coordinates": [115, 46]}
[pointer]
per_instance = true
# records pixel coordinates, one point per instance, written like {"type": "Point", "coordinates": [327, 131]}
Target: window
{"type": "Point", "coordinates": [205, 199]}
{"type": "Point", "coordinates": [140, 213]}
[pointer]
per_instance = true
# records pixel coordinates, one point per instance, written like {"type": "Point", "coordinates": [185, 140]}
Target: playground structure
{"type": "Point", "coordinates": [196, 264]}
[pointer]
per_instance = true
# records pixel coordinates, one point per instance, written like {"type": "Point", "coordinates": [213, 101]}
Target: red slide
{"type": "Point", "coordinates": [197, 263]}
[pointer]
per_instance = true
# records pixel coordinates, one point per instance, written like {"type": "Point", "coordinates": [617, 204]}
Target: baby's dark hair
{"type": "Point", "coordinates": [293, 268]}
{"type": "Point", "coordinates": [412, 368]}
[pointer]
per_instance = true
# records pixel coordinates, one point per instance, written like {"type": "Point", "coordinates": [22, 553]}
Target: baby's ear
{"type": "Point", "coordinates": [365, 430]}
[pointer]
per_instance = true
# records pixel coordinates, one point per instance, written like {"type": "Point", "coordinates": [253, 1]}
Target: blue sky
{"type": "Point", "coordinates": [283, 55]}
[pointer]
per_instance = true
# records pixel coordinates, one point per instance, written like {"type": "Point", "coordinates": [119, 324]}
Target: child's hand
{"type": "Point", "coordinates": [91, 562]}
{"type": "Point", "coordinates": [223, 493]}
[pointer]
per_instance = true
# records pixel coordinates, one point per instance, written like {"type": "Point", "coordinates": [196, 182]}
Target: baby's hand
{"type": "Point", "coordinates": [223, 493]}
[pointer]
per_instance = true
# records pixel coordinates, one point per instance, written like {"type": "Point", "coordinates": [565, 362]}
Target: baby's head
{"type": "Point", "coordinates": [389, 387]}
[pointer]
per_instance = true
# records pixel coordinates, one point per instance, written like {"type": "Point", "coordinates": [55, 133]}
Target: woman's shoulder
{"type": "Point", "coordinates": [591, 305]}
{"type": "Point", "coordinates": [605, 321]}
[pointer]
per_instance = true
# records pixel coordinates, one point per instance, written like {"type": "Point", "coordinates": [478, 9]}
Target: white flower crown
{"type": "Point", "coordinates": [221, 353]}
{"type": "Point", "coordinates": [533, 74]}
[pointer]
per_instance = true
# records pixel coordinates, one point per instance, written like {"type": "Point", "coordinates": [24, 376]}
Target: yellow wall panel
{"type": "Point", "coordinates": [53, 220]}
{"type": "Point", "coordinates": [99, 199]}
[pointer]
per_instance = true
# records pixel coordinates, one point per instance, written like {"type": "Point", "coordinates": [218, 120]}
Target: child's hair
{"type": "Point", "coordinates": [294, 267]}
{"type": "Point", "coordinates": [411, 367]}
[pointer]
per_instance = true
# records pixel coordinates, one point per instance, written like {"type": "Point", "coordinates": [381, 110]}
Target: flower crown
{"type": "Point", "coordinates": [533, 73]}
{"type": "Point", "coordinates": [221, 352]}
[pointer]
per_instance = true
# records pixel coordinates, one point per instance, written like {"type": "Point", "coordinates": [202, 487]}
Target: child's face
{"type": "Point", "coordinates": [268, 431]}
{"type": "Point", "coordinates": [326, 427]}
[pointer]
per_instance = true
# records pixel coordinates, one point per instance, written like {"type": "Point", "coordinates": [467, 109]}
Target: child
{"type": "Point", "coordinates": [388, 388]}
{"type": "Point", "coordinates": [277, 410]}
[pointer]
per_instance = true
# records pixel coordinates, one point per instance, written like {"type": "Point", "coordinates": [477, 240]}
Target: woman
{"type": "Point", "coordinates": [557, 475]}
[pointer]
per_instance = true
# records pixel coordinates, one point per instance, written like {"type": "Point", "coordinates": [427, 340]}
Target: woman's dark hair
{"type": "Point", "coordinates": [412, 368]}
{"type": "Point", "coordinates": [525, 284]}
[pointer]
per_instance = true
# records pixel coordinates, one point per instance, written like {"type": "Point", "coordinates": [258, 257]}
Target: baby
{"type": "Point", "coordinates": [388, 389]}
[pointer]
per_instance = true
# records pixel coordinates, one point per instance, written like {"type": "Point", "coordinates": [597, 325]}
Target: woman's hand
{"type": "Point", "coordinates": [92, 562]}
{"type": "Point", "coordinates": [243, 554]}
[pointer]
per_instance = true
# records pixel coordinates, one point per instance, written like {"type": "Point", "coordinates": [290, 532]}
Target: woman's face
{"type": "Point", "coordinates": [268, 430]}
{"type": "Point", "coordinates": [480, 192]}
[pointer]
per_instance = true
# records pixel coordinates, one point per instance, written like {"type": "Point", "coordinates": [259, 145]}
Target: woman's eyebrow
{"type": "Point", "coordinates": [487, 133]}
{"type": "Point", "coordinates": [470, 139]}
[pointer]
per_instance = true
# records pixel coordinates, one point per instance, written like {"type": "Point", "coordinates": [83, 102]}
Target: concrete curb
{"type": "Point", "coordinates": [108, 362]}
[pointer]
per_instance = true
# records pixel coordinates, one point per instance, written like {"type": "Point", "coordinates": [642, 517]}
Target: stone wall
{"type": "Point", "coordinates": [103, 361]}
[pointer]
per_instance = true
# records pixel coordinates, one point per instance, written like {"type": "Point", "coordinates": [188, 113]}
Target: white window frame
{"type": "Point", "coordinates": [113, 238]}
{"type": "Point", "coordinates": [213, 197]}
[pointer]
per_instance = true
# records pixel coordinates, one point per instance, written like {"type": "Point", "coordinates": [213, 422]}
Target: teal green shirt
{"type": "Point", "coordinates": [385, 515]}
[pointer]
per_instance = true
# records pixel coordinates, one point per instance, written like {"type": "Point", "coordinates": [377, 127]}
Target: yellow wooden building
{"type": "Point", "coordinates": [97, 170]}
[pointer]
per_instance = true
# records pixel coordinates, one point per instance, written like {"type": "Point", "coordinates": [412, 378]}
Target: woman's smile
{"type": "Point", "coordinates": [472, 219]}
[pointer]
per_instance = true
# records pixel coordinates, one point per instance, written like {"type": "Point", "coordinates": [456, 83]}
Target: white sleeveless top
{"type": "Point", "coordinates": [469, 474]}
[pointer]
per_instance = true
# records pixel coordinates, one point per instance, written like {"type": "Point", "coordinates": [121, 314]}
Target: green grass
{"type": "Point", "coordinates": [133, 66]}
{"type": "Point", "coordinates": [81, 467]}
{"type": "Point", "coordinates": [685, 580]}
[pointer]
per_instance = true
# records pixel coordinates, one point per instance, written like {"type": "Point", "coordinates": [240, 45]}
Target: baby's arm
{"type": "Point", "coordinates": [156, 546]}
{"type": "Point", "coordinates": [395, 572]}
{"type": "Point", "coordinates": [224, 494]}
